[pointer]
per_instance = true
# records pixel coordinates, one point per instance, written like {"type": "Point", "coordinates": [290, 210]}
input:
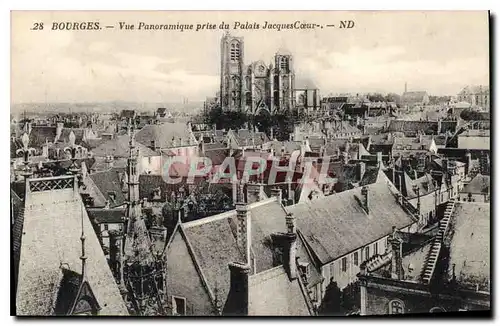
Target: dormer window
{"type": "Point", "coordinates": [112, 196]}
{"type": "Point", "coordinates": [178, 306]}
{"type": "Point", "coordinates": [304, 269]}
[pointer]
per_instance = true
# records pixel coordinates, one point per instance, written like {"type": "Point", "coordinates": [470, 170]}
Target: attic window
{"type": "Point", "coordinates": [112, 196]}
{"type": "Point", "coordinates": [178, 306]}
{"type": "Point", "coordinates": [304, 268]}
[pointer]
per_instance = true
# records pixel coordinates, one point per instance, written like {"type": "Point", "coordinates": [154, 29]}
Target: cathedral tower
{"type": "Point", "coordinates": [284, 81]}
{"type": "Point", "coordinates": [231, 84]}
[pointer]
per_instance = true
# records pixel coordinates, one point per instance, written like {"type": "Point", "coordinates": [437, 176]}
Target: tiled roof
{"type": "Point", "coordinates": [119, 147]}
{"type": "Point", "coordinates": [214, 246]}
{"type": "Point", "coordinates": [287, 146]}
{"type": "Point", "coordinates": [217, 156]}
{"type": "Point", "coordinates": [337, 224]}
{"type": "Point", "coordinates": [100, 215]}
{"type": "Point", "coordinates": [448, 126]}
{"type": "Point", "coordinates": [40, 135]}
{"type": "Point", "coordinates": [148, 183]}
{"type": "Point", "coordinates": [79, 132]}
{"type": "Point", "coordinates": [479, 185]}
{"type": "Point", "coordinates": [109, 182]}
{"type": "Point", "coordinates": [127, 114]}
{"type": "Point", "coordinates": [166, 135]}
{"type": "Point", "coordinates": [213, 241]}
{"type": "Point", "coordinates": [470, 224]}
{"type": "Point", "coordinates": [50, 242]}
{"type": "Point", "coordinates": [246, 137]}
{"type": "Point", "coordinates": [411, 126]}
{"type": "Point", "coordinates": [271, 293]}
{"type": "Point", "coordinates": [414, 95]}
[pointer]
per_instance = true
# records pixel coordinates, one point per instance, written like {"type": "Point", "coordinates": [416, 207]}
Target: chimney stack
{"type": "Point", "coordinates": [396, 262]}
{"type": "Point", "coordinates": [237, 298]}
{"type": "Point", "coordinates": [379, 159]}
{"type": "Point", "coordinates": [468, 156]}
{"type": "Point", "coordinates": [361, 170]}
{"type": "Point", "coordinates": [364, 194]}
{"type": "Point", "coordinates": [254, 192]}
{"type": "Point", "coordinates": [287, 242]}
{"type": "Point", "coordinates": [276, 192]}
{"type": "Point", "coordinates": [243, 230]}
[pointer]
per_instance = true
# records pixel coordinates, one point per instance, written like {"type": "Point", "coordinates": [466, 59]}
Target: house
{"type": "Point", "coordinates": [478, 95]}
{"type": "Point", "coordinates": [52, 231]}
{"type": "Point", "coordinates": [407, 146]}
{"type": "Point", "coordinates": [106, 220]}
{"type": "Point", "coordinates": [115, 152]}
{"type": "Point", "coordinates": [343, 230]}
{"type": "Point", "coordinates": [199, 253]}
{"type": "Point", "coordinates": [415, 98]}
{"type": "Point", "coordinates": [105, 189]}
{"type": "Point", "coordinates": [246, 139]}
{"type": "Point", "coordinates": [442, 274]}
{"type": "Point", "coordinates": [477, 190]}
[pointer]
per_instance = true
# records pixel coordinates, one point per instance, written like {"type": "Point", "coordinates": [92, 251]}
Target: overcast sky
{"type": "Point", "coordinates": [435, 51]}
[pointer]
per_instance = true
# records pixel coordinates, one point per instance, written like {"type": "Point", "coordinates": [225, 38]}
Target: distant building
{"type": "Point", "coordinates": [257, 86]}
{"type": "Point", "coordinates": [476, 95]}
{"type": "Point", "coordinates": [415, 98]}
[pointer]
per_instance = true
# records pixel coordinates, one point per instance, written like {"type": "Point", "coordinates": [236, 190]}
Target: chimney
{"type": "Point", "coordinates": [243, 229]}
{"type": "Point", "coordinates": [237, 298]}
{"type": "Point", "coordinates": [445, 165]}
{"type": "Point", "coordinates": [439, 126]}
{"type": "Point", "coordinates": [468, 156]}
{"type": "Point", "coordinates": [396, 262]}
{"type": "Point", "coordinates": [364, 194]}
{"type": "Point", "coordinates": [379, 159]}
{"type": "Point", "coordinates": [254, 192]}
{"type": "Point", "coordinates": [361, 168]}
{"type": "Point", "coordinates": [287, 242]}
{"type": "Point", "coordinates": [276, 192]}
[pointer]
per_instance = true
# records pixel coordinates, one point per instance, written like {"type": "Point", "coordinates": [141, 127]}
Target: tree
{"type": "Point", "coordinates": [471, 115]}
{"type": "Point", "coordinates": [331, 305]}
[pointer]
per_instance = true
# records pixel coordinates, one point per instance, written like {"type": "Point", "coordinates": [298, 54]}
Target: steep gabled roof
{"type": "Point", "coordinates": [166, 135]}
{"type": "Point", "coordinates": [109, 184]}
{"type": "Point", "coordinates": [271, 293]}
{"type": "Point", "coordinates": [51, 241]}
{"type": "Point", "coordinates": [335, 225]}
{"type": "Point", "coordinates": [470, 224]}
{"type": "Point", "coordinates": [119, 147]}
{"type": "Point", "coordinates": [479, 185]}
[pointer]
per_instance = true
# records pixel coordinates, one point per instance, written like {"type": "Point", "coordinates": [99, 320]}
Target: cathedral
{"type": "Point", "coordinates": [257, 86]}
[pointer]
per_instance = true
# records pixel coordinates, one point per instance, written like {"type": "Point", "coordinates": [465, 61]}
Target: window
{"type": "Point", "coordinates": [235, 51]}
{"type": "Point", "coordinates": [178, 306]}
{"type": "Point", "coordinates": [355, 258]}
{"type": "Point", "coordinates": [332, 270]}
{"type": "Point", "coordinates": [367, 253]}
{"type": "Point", "coordinates": [375, 248]}
{"type": "Point", "coordinates": [396, 307]}
{"type": "Point", "coordinates": [344, 264]}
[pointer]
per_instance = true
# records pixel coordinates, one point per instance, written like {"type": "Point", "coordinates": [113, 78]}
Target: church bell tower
{"type": "Point", "coordinates": [231, 86]}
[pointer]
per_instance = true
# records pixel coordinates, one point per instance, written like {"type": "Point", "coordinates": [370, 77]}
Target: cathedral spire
{"type": "Point", "coordinates": [83, 257]}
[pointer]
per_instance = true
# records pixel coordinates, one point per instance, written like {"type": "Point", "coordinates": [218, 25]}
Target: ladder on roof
{"type": "Point", "coordinates": [433, 255]}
